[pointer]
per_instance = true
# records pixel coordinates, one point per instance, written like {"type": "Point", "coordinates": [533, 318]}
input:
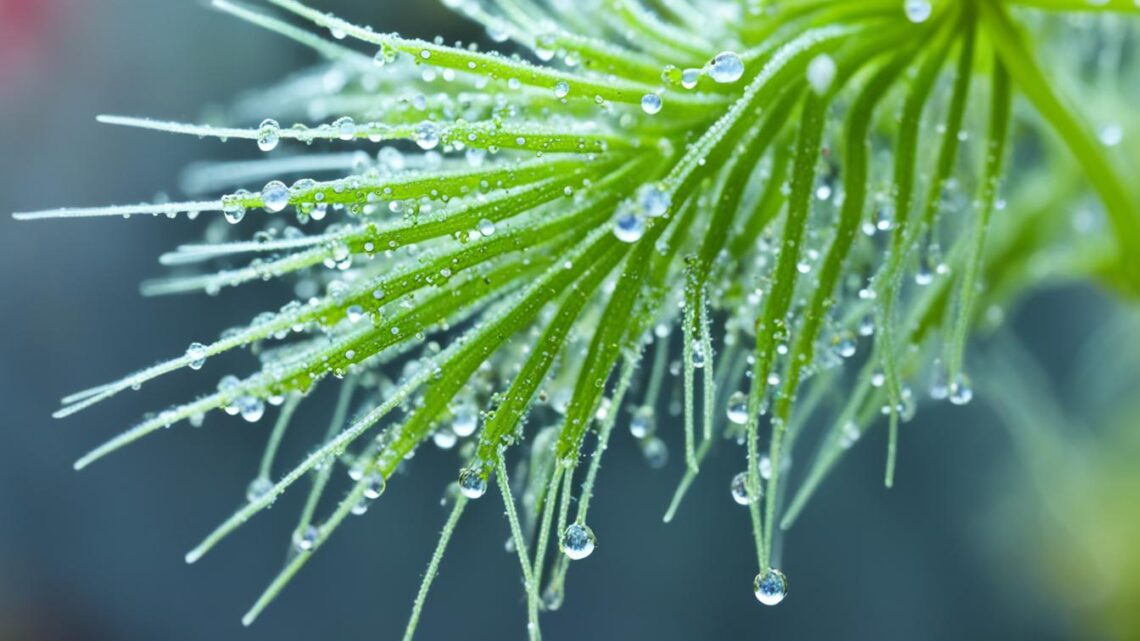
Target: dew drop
{"type": "Point", "coordinates": [653, 200]}
{"type": "Point", "coordinates": [738, 408]}
{"type": "Point", "coordinates": [629, 227]}
{"type": "Point", "coordinates": [917, 11]}
{"type": "Point", "coordinates": [274, 196]}
{"type": "Point", "coordinates": [961, 390]}
{"type": "Point", "coordinates": [375, 486]}
{"type": "Point", "coordinates": [464, 421]}
{"type": "Point", "coordinates": [197, 355]}
{"type": "Point", "coordinates": [486, 227]}
{"type": "Point", "coordinates": [643, 423]}
{"type": "Point", "coordinates": [251, 408]}
{"type": "Point", "coordinates": [651, 103]}
{"type": "Point", "coordinates": [268, 135]}
{"type": "Point", "coordinates": [471, 484]}
{"type": "Point", "coordinates": [578, 541]}
{"type": "Point", "coordinates": [427, 136]}
{"type": "Point", "coordinates": [844, 344]}
{"type": "Point", "coordinates": [258, 488]}
{"type": "Point", "coordinates": [561, 89]}
{"type": "Point", "coordinates": [306, 540]}
{"type": "Point", "coordinates": [689, 78]}
{"type": "Point", "coordinates": [770, 587]}
{"type": "Point", "coordinates": [740, 492]}
{"type": "Point", "coordinates": [656, 452]}
{"type": "Point", "coordinates": [726, 67]}
{"type": "Point", "coordinates": [821, 73]}
{"type": "Point", "coordinates": [345, 128]}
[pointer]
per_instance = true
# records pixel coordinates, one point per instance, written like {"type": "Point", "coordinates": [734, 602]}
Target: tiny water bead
{"type": "Point", "coordinates": [643, 423]}
{"type": "Point", "coordinates": [472, 484]}
{"type": "Point", "coordinates": [303, 541]}
{"type": "Point", "coordinates": [917, 11]}
{"type": "Point", "coordinates": [737, 410]}
{"type": "Point", "coordinates": [274, 196]}
{"type": "Point", "coordinates": [258, 488]}
{"type": "Point", "coordinates": [726, 67]}
{"type": "Point", "coordinates": [770, 587]}
{"type": "Point", "coordinates": [844, 344]}
{"type": "Point", "coordinates": [197, 355]}
{"type": "Point", "coordinates": [961, 390]}
{"type": "Point", "coordinates": [375, 486]}
{"type": "Point", "coordinates": [561, 89]}
{"type": "Point", "coordinates": [268, 135]}
{"type": "Point", "coordinates": [651, 103]}
{"type": "Point", "coordinates": [578, 541]}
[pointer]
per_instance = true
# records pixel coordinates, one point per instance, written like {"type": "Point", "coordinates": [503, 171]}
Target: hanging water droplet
{"type": "Point", "coordinates": [233, 209]}
{"type": "Point", "coordinates": [578, 541]}
{"type": "Point", "coordinates": [375, 486]}
{"type": "Point", "coordinates": [765, 467]}
{"type": "Point", "coordinates": [689, 78]}
{"type": "Point", "coordinates": [656, 452]}
{"type": "Point", "coordinates": [251, 408]}
{"type": "Point", "coordinates": [427, 135]}
{"type": "Point", "coordinates": [471, 484]}
{"type": "Point", "coordinates": [274, 196]}
{"type": "Point", "coordinates": [628, 226]}
{"type": "Point", "coordinates": [740, 492]}
{"type": "Point", "coordinates": [844, 344]}
{"type": "Point", "coordinates": [738, 408]}
{"type": "Point", "coordinates": [726, 67]}
{"type": "Point", "coordinates": [770, 587]}
{"type": "Point", "coordinates": [651, 103]}
{"type": "Point", "coordinates": [961, 390]}
{"type": "Point", "coordinates": [917, 11]}
{"type": "Point", "coordinates": [464, 421]}
{"type": "Point", "coordinates": [306, 540]}
{"type": "Point", "coordinates": [197, 355]}
{"type": "Point", "coordinates": [268, 135]}
{"type": "Point", "coordinates": [643, 423]}
{"type": "Point", "coordinates": [258, 488]}
{"type": "Point", "coordinates": [444, 438]}
{"type": "Point", "coordinates": [821, 73]}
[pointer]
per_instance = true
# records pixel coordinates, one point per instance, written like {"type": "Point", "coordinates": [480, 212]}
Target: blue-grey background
{"type": "Point", "coordinates": [97, 555]}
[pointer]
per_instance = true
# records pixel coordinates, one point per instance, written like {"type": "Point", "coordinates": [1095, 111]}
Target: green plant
{"type": "Point", "coordinates": [784, 202]}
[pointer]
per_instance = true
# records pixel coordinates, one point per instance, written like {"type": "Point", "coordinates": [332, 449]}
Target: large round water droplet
{"type": "Point", "coordinates": [917, 11]}
{"type": "Point", "coordinates": [961, 390]}
{"type": "Point", "coordinates": [726, 67]}
{"type": "Point", "coordinates": [629, 227]}
{"type": "Point", "coordinates": [651, 103]}
{"type": "Point", "coordinates": [738, 408]}
{"type": "Point", "coordinates": [268, 135]}
{"type": "Point", "coordinates": [740, 492]}
{"type": "Point", "coordinates": [251, 408]}
{"type": "Point", "coordinates": [578, 541]}
{"type": "Point", "coordinates": [375, 486]}
{"type": "Point", "coordinates": [471, 484]}
{"type": "Point", "coordinates": [197, 355]}
{"type": "Point", "coordinates": [274, 196]}
{"type": "Point", "coordinates": [770, 587]}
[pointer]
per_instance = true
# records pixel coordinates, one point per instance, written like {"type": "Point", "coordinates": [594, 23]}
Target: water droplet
{"type": "Point", "coordinates": [961, 390]}
{"type": "Point", "coordinates": [1111, 134]}
{"type": "Point", "coordinates": [740, 492]}
{"type": "Point", "coordinates": [656, 452]}
{"type": "Point", "coordinates": [233, 209]}
{"type": "Point", "coordinates": [427, 135]}
{"type": "Point", "coordinates": [471, 484]}
{"type": "Point", "coordinates": [197, 355]}
{"type": "Point", "coordinates": [375, 486]}
{"type": "Point", "coordinates": [561, 89]}
{"type": "Point", "coordinates": [738, 408]}
{"type": "Point", "coordinates": [258, 488]}
{"type": "Point", "coordinates": [770, 587]}
{"type": "Point", "coordinates": [464, 421]}
{"type": "Point", "coordinates": [651, 103]}
{"type": "Point", "coordinates": [274, 196]}
{"type": "Point", "coordinates": [844, 344]}
{"type": "Point", "coordinates": [653, 200]}
{"type": "Point", "coordinates": [251, 408]}
{"type": "Point", "coordinates": [643, 423]}
{"type": "Point", "coordinates": [306, 540]}
{"type": "Point", "coordinates": [345, 128]}
{"type": "Point", "coordinates": [578, 541]}
{"type": "Point", "coordinates": [629, 227]}
{"type": "Point", "coordinates": [268, 135]}
{"type": "Point", "coordinates": [726, 67]}
{"type": "Point", "coordinates": [765, 467]}
{"type": "Point", "coordinates": [486, 227]}
{"type": "Point", "coordinates": [689, 78]}
{"type": "Point", "coordinates": [821, 73]}
{"type": "Point", "coordinates": [917, 11]}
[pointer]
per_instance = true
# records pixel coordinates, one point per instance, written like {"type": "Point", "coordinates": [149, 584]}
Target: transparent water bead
{"type": "Point", "coordinates": [471, 484]}
{"type": "Point", "coordinates": [197, 355]}
{"type": "Point", "coordinates": [653, 200]}
{"type": "Point", "coordinates": [258, 488]}
{"type": "Point", "coordinates": [770, 587]}
{"type": "Point", "coordinates": [643, 423]}
{"type": "Point", "coordinates": [233, 209]}
{"type": "Point", "coordinates": [689, 78]}
{"type": "Point", "coordinates": [844, 344]}
{"type": "Point", "coordinates": [740, 492]}
{"type": "Point", "coordinates": [427, 136]}
{"type": "Point", "coordinates": [961, 390]}
{"type": "Point", "coordinates": [917, 11]}
{"type": "Point", "coordinates": [464, 421]}
{"type": "Point", "coordinates": [656, 452]}
{"type": "Point", "coordinates": [345, 128]}
{"type": "Point", "coordinates": [820, 74]}
{"type": "Point", "coordinates": [306, 540]}
{"type": "Point", "coordinates": [561, 89]}
{"type": "Point", "coordinates": [578, 541]}
{"type": "Point", "coordinates": [251, 408]}
{"type": "Point", "coordinates": [651, 103]}
{"type": "Point", "coordinates": [629, 227]}
{"type": "Point", "coordinates": [274, 196]}
{"type": "Point", "coordinates": [737, 410]}
{"type": "Point", "coordinates": [268, 135]}
{"type": "Point", "coordinates": [726, 67]}
{"type": "Point", "coordinates": [375, 486]}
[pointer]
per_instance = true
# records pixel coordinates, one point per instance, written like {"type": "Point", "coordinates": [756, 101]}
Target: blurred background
{"type": "Point", "coordinates": [951, 553]}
